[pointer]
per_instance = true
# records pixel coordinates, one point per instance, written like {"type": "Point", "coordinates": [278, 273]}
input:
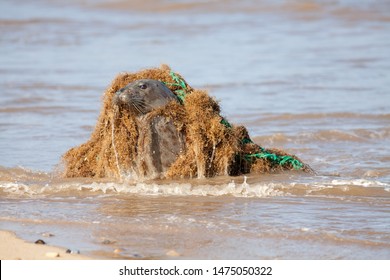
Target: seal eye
{"type": "Point", "coordinates": [142, 86]}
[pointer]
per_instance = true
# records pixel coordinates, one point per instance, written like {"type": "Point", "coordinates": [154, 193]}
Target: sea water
{"type": "Point", "coordinates": [309, 77]}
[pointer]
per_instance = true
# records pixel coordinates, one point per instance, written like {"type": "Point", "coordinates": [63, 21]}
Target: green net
{"type": "Point", "coordinates": [277, 159]}
{"type": "Point", "coordinates": [179, 83]}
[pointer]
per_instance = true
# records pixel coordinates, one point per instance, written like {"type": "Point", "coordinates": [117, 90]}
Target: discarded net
{"type": "Point", "coordinates": [213, 146]}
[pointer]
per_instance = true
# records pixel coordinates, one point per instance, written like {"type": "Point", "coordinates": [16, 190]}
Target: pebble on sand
{"type": "Point", "coordinates": [118, 250]}
{"type": "Point", "coordinates": [69, 251]}
{"type": "Point", "coordinates": [172, 253]}
{"type": "Point", "coordinates": [52, 254]}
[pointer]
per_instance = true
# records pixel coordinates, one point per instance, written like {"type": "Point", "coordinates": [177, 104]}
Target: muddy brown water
{"type": "Point", "coordinates": [310, 77]}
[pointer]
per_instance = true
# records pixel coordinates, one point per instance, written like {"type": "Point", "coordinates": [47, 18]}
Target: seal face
{"type": "Point", "coordinates": [143, 96]}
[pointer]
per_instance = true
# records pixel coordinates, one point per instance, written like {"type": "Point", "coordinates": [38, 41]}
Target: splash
{"type": "Point", "coordinates": [240, 187]}
{"type": "Point", "coordinates": [143, 189]}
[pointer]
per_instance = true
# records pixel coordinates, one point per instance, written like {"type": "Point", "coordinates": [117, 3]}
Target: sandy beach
{"type": "Point", "coordinates": [14, 248]}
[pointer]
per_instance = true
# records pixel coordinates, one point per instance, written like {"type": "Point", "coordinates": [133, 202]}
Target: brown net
{"type": "Point", "coordinates": [212, 146]}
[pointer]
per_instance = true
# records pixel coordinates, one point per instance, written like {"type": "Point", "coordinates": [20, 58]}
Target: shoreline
{"type": "Point", "coordinates": [15, 248]}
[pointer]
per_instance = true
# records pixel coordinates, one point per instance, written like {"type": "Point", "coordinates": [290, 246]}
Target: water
{"type": "Point", "coordinates": [310, 77]}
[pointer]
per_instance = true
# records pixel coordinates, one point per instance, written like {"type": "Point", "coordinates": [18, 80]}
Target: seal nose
{"type": "Point", "coordinates": [117, 97]}
{"type": "Point", "coordinates": [123, 98]}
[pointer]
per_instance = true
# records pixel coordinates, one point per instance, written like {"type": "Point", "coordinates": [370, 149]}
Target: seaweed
{"type": "Point", "coordinates": [212, 146]}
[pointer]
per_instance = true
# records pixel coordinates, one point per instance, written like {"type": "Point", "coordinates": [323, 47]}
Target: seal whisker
{"type": "Point", "coordinates": [141, 105]}
{"type": "Point", "coordinates": [140, 101]}
{"type": "Point", "coordinates": [137, 107]}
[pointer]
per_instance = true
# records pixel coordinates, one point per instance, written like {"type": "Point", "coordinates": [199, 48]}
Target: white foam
{"type": "Point", "coordinates": [142, 188]}
{"type": "Point", "coordinates": [190, 188]}
{"type": "Point", "coordinates": [359, 182]}
{"type": "Point", "coordinates": [183, 189]}
{"type": "Point", "coordinates": [18, 188]}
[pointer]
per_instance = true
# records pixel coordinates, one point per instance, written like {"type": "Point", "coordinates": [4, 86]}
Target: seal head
{"type": "Point", "coordinates": [143, 96]}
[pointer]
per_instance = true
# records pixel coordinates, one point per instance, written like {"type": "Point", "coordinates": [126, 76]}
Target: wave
{"type": "Point", "coordinates": [22, 182]}
{"type": "Point", "coordinates": [359, 135]}
{"type": "Point", "coordinates": [255, 189]}
{"type": "Point", "coordinates": [308, 10]}
{"type": "Point", "coordinates": [266, 117]}
{"type": "Point", "coordinates": [141, 188]}
{"type": "Point", "coordinates": [333, 135]}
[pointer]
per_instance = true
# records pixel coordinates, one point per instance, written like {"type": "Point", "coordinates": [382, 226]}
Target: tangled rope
{"type": "Point", "coordinates": [181, 84]}
{"type": "Point", "coordinates": [181, 93]}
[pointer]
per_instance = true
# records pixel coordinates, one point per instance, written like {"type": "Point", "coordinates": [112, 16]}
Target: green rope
{"type": "Point", "coordinates": [280, 160]}
{"type": "Point", "coordinates": [178, 82]}
{"type": "Point", "coordinates": [246, 141]}
{"type": "Point", "coordinates": [225, 123]}
{"type": "Point", "coordinates": [262, 154]}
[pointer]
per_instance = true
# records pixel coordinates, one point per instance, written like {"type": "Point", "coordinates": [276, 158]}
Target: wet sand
{"type": "Point", "coordinates": [14, 248]}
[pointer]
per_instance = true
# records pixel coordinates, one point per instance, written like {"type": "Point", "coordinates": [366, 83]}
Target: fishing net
{"type": "Point", "coordinates": [212, 145]}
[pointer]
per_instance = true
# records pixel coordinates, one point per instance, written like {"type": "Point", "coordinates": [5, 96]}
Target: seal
{"type": "Point", "coordinates": [143, 96]}
{"type": "Point", "coordinates": [159, 141]}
